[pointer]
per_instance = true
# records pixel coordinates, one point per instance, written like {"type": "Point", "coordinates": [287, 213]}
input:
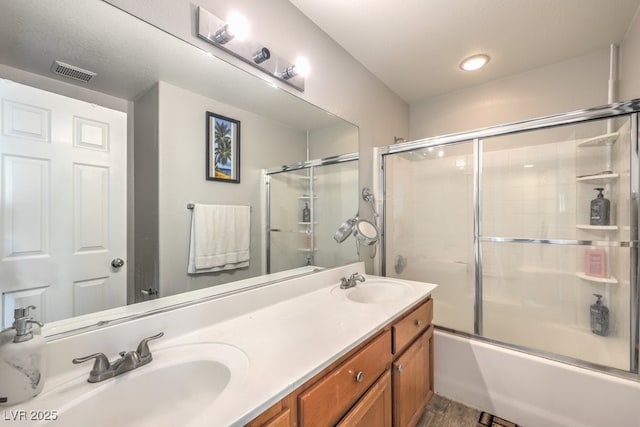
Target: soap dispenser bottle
{"type": "Point", "coordinates": [599, 317]}
{"type": "Point", "coordinates": [306, 213]}
{"type": "Point", "coordinates": [22, 359]}
{"type": "Point", "coordinates": [600, 208]}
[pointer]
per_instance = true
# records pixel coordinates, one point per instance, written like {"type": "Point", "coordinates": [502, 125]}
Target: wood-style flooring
{"type": "Point", "coordinates": [442, 412]}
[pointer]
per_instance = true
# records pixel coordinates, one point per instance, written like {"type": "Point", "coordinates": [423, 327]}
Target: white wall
{"type": "Point", "coordinates": [332, 141]}
{"type": "Point", "coordinates": [566, 86]}
{"type": "Point", "coordinates": [630, 62]}
{"type": "Point", "coordinates": [181, 143]}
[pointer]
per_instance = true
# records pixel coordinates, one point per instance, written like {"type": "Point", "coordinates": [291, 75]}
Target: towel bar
{"type": "Point", "coordinates": [193, 205]}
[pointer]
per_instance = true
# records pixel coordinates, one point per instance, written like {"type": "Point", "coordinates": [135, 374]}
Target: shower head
{"type": "Point", "coordinates": [345, 229]}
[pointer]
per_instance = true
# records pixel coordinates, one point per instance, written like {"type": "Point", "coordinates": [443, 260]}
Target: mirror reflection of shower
{"type": "Point", "coordinates": [306, 203]}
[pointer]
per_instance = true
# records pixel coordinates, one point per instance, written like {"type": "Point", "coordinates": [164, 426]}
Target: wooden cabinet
{"type": "Point", "coordinates": [374, 409]}
{"type": "Point", "coordinates": [411, 325]}
{"type": "Point", "coordinates": [387, 381]}
{"type": "Point", "coordinates": [413, 380]}
{"type": "Point", "coordinates": [328, 401]}
{"type": "Point", "coordinates": [277, 416]}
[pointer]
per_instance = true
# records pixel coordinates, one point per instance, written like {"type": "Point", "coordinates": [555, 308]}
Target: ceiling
{"type": "Point", "coordinates": [416, 46]}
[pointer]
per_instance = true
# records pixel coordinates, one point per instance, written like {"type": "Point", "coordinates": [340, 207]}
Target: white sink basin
{"type": "Point", "coordinates": [175, 389]}
{"type": "Point", "coordinates": [374, 291]}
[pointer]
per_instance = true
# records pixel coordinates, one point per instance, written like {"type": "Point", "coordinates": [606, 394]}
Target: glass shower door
{"type": "Point", "coordinates": [290, 238]}
{"type": "Point", "coordinates": [429, 204]}
{"type": "Point", "coordinates": [543, 257]}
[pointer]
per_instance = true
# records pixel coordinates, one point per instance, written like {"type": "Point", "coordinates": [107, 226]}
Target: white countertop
{"type": "Point", "coordinates": [285, 342]}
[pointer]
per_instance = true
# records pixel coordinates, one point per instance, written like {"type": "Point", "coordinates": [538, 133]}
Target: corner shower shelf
{"type": "Point", "coordinates": [600, 140]}
{"type": "Point", "coordinates": [307, 223]}
{"type": "Point", "coordinates": [608, 280]}
{"type": "Point", "coordinates": [597, 227]}
{"type": "Point", "coordinates": [603, 178]}
{"type": "Point", "coordinates": [307, 250]}
{"type": "Point", "coordinates": [307, 197]}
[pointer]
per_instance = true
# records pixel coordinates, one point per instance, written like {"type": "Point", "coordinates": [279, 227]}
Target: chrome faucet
{"type": "Point", "coordinates": [103, 369]}
{"type": "Point", "coordinates": [351, 281]}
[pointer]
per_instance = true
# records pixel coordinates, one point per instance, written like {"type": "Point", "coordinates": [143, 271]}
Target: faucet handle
{"type": "Point", "coordinates": [143, 347]}
{"type": "Point", "coordinates": [101, 367]}
{"type": "Point", "coordinates": [357, 277]}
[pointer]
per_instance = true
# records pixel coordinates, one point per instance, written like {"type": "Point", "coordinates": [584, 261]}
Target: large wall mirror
{"type": "Point", "coordinates": [97, 175]}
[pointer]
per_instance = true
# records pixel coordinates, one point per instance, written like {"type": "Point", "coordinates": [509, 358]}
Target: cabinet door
{"type": "Point", "coordinates": [276, 416]}
{"type": "Point", "coordinates": [413, 381]}
{"type": "Point", "coordinates": [374, 409]}
{"type": "Point", "coordinates": [326, 402]}
{"type": "Point", "coordinates": [281, 420]}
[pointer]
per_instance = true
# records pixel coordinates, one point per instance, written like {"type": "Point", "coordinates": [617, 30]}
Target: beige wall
{"type": "Point", "coordinates": [565, 86]}
{"type": "Point", "coordinates": [630, 63]}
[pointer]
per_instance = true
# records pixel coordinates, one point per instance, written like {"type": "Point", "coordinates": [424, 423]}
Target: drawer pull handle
{"type": "Point", "coordinates": [418, 323]}
{"type": "Point", "coordinates": [399, 368]}
{"type": "Point", "coordinates": [359, 377]}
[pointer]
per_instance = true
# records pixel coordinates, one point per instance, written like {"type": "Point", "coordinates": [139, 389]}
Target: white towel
{"type": "Point", "coordinates": [219, 238]}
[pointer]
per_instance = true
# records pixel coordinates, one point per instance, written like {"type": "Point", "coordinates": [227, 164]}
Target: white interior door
{"type": "Point", "coordinates": [63, 204]}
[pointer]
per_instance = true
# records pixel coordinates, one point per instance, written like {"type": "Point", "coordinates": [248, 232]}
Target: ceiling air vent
{"type": "Point", "coordinates": [71, 71]}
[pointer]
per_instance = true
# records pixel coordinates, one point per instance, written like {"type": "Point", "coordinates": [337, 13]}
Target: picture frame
{"type": "Point", "coordinates": [223, 148]}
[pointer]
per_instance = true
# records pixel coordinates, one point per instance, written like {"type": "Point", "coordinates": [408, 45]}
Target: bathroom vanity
{"type": "Point", "coordinates": [388, 380]}
{"type": "Point", "coordinates": [295, 353]}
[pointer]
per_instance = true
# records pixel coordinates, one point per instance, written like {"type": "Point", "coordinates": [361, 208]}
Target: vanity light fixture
{"type": "Point", "coordinates": [261, 55]}
{"type": "Point", "coordinates": [232, 37]}
{"type": "Point", "coordinates": [301, 67]}
{"type": "Point", "coordinates": [474, 62]}
{"type": "Point", "coordinates": [289, 72]}
{"type": "Point", "coordinates": [236, 27]}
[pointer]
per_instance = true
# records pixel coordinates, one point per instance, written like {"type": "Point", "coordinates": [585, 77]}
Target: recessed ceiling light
{"type": "Point", "coordinates": [474, 62]}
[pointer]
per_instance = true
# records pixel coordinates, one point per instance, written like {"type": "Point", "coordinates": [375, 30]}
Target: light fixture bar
{"type": "Point", "coordinates": [215, 31]}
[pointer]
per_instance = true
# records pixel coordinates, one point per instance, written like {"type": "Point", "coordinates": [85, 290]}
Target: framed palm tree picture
{"type": "Point", "coordinates": [223, 148]}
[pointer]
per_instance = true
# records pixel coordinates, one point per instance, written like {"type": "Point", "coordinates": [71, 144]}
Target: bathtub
{"type": "Point", "coordinates": [529, 390]}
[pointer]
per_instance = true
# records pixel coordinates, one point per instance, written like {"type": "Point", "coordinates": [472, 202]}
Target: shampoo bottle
{"type": "Point", "coordinates": [22, 359]}
{"type": "Point", "coordinates": [599, 209]}
{"type": "Point", "coordinates": [599, 317]}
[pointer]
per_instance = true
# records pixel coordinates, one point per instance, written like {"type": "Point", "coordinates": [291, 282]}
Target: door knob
{"type": "Point", "coordinates": [117, 262]}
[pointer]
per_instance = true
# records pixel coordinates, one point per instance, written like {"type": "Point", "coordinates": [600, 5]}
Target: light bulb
{"type": "Point", "coordinates": [302, 66]}
{"type": "Point", "coordinates": [474, 62]}
{"type": "Point", "coordinates": [237, 26]}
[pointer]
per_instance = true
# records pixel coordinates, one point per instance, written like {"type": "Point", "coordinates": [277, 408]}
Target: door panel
{"type": "Point", "coordinates": [63, 203]}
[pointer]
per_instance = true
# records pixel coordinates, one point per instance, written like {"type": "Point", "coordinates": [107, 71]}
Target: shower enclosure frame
{"type": "Point", "coordinates": [476, 137]}
{"type": "Point", "coordinates": [309, 164]}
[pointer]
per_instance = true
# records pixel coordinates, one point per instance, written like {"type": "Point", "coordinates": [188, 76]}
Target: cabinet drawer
{"type": "Point", "coordinates": [329, 399]}
{"type": "Point", "coordinates": [405, 330]}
